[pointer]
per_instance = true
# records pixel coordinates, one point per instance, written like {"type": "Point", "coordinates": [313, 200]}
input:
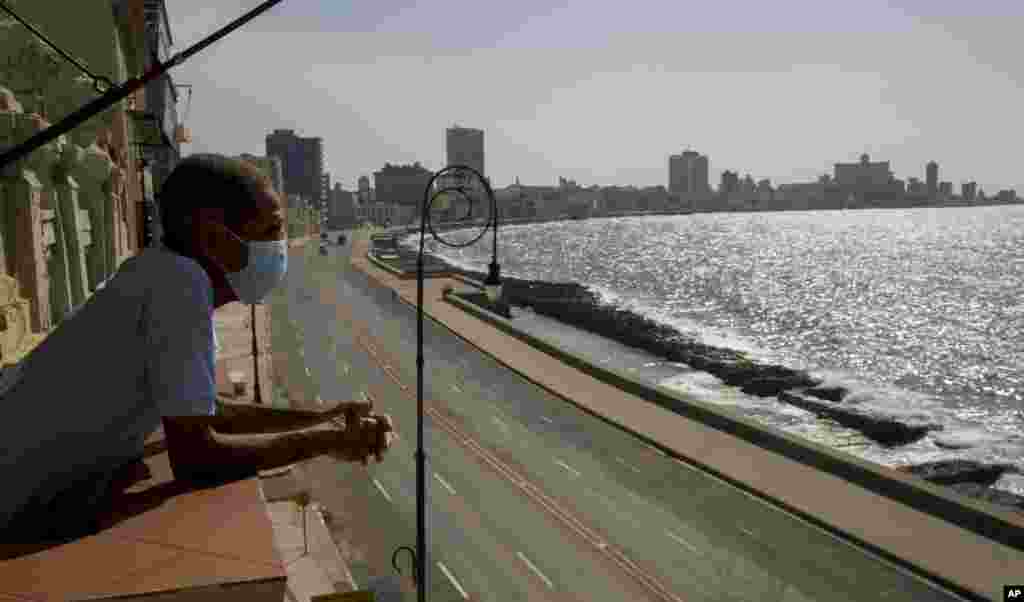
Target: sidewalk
{"type": "Point", "coordinates": [322, 570]}
{"type": "Point", "coordinates": [234, 333]}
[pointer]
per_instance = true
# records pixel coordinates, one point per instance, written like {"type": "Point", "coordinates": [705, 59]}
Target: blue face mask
{"type": "Point", "coordinates": [268, 263]}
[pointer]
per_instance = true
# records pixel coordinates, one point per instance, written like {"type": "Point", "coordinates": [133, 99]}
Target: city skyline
{"type": "Point", "coordinates": [782, 95]}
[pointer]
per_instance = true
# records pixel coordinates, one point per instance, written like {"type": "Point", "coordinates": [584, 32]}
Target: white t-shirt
{"type": "Point", "coordinates": [88, 396]}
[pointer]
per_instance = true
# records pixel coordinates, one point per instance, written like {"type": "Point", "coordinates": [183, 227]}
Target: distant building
{"type": "Point", "coordinates": [916, 188]}
{"type": "Point", "coordinates": [688, 175]}
{"type": "Point", "coordinates": [968, 190]}
{"type": "Point", "coordinates": [932, 179]}
{"type": "Point", "coordinates": [864, 183]}
{"type": "Point", "coordinates": [465, 146]}
{"type": "Point", "coordinates": [402, 184]}
{"type": "Point", "coordinates": [325, 190]}
{"type": "Point", "coordinates": [302, 161]}
{"type": "Point", "coordinates": [730, 183]}
{"type": "Point", "coordinates": [364, 194]}
{"type": "Point", "coordinates": [341, 208]}
{"type": "Point", "coordinates": [1007, 196]}
{"type": "Point", "coordinates": [945, 190]}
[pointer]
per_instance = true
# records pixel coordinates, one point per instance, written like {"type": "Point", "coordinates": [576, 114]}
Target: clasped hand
{"type": "Point", "coordinates": [362, 433]}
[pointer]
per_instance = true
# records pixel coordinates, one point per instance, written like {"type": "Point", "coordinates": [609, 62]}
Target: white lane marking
{"type": "Point", "coordinates": [536, 571]}
{"type": "Point", "coordinates": [306, 368]}
{"type": "Point", "coordinates": [451, 578]}
{"type": "Point", "coordinates": [656, 450]}
{"type": "Point", "coordinates": [679, 539]}
{"type": "Point", "coordinates": [450, 489]}
{"type": "Point", "coordinates": [546, 419]}
{"type": "Point", "coordinates": [748, 531]}
{"type": "Point", "coordinates": [627, 464]}
{"type": "Point", "coordinates": [381, 489]}
{"type": "Point", "coordinates": [567, 467]}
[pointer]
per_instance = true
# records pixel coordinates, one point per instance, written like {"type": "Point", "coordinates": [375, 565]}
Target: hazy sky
{"type": "Point", "coordinates": [603, 91]}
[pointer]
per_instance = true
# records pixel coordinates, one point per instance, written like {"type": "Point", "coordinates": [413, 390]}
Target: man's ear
{"type": "Point", "coordinates": [222, 247]}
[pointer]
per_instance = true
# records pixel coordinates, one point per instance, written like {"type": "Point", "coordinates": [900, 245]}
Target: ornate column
{"type": "Point", "coordinates": [92, 171]}
{"type": "Point", "coordinates": [45, 163]}
{"type": "Point", "coordinates": [24, 237]}
{"type": "Point", "coordinates": [75, 222]}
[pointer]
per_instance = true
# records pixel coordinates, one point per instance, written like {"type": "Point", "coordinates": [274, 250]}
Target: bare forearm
{"type": "Point", "coordinates": [263, 452]}
{"type": "Point", "coordinates": [246, 418]}
{"type": "Point", "coordinates": [241, 455]}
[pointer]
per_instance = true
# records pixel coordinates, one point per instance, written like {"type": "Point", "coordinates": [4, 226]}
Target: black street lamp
{"type": "Point", "coordinates": [493, 287]}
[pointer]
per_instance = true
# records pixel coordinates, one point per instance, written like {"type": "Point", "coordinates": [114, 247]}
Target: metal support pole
{"type": "Point", "coordinates": [420, 562]}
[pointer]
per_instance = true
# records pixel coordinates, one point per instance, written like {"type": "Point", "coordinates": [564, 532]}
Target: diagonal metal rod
{"type": "Point", "coordinates": [117, 93]}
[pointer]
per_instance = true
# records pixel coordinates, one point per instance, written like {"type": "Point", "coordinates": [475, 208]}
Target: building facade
{"type": "Point", "coordinates": [402, 184]}
{"type": "Point", "coordinates": [341, 208]}
{"type": "Point", "coordinates": [302, 162]}
{"type": "Point", "coordinates": [968, 190]}
{"type": "Point", "coordinates": [71, 210]}
{"type": "Point", "coordinates": [932, 179]}
{"type": "Point", "coordinates": [865, 183]}
{"type": "Point", "coordinates": [465, 146]}
{"type": "Point", "coordinates": [688, 175]}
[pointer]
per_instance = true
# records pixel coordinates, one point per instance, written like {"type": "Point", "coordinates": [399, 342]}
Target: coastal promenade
{"type": "Point", "coordinates": [974, 565]}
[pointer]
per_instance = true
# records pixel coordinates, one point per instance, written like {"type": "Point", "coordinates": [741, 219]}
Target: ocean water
{"type": "Point", "coordinates": [918, 311]}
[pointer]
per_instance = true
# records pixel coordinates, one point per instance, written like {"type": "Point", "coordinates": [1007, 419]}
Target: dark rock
{"type": "Point", "coordinates": [949, 472]}
{"type": "Point", "coordinates": [574, 304]}
{"type": "Point", "coordinates": [768, 387]}
{"type": "Point", "coordinates": [990, 495]}
{"type": "Point", "coordinates": [885, 430]}
{"type": "Point", "coordinates": [834, 394]}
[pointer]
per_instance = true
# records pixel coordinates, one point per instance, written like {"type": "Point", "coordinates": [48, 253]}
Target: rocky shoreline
{"type": "Point", "coordinates": [576, 305]}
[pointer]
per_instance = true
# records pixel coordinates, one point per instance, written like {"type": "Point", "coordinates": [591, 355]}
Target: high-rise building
{"type": "Point", "coordinates": [364, 193]}
{"type": "Point", "coordinates": [325, 189]}
{"type": "Point", "coordinates": [302, 161]}
{"type": "Point", "coordinates": [945, 190]}
{"type": "Point", "coordinates": [465, 146]}
{"type": "Point", "coordinates": [968, 190]}
{"type": "Point", "coordinates": [688, 174]}
{"type": "Point", "coordinates": [932, 178]}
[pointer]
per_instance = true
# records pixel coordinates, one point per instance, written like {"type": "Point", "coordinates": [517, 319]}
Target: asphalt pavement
{"type": "Point", "coordinates": [531, 498]}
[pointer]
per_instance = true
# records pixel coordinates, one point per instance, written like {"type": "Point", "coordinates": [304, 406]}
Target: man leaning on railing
{"type": "Point", "coordinates": [140, 352]}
